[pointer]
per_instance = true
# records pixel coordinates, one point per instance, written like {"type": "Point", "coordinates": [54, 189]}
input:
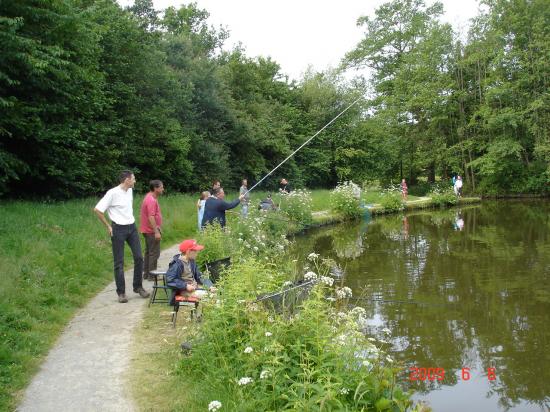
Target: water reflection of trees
{"type": "Point", "coordinates": [485, 291]}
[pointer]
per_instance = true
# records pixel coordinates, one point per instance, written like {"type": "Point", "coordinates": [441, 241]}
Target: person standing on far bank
{"type": "Point", "coordinates": [150, 227]}
{"type": "Point", "coordinates": [246, 199]}
{"type": "Point", "coordinates": [284, 186]}
{"type": "Point", "coordinates": [117, 202]}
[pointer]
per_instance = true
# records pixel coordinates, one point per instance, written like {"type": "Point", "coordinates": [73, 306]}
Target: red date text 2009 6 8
{"type": "Point", "coordinates": [432, 374]}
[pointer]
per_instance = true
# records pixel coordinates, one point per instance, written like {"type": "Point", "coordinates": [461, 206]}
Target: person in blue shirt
{"type": "Point", "coordinates": [215, 207]}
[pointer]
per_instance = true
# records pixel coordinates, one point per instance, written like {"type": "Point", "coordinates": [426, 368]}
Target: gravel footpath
{"type": "Point", "coordinates": [85, 370]}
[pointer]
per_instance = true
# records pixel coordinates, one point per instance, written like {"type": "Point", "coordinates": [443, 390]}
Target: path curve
{"type": "Point", "coordinates": [85, 370]}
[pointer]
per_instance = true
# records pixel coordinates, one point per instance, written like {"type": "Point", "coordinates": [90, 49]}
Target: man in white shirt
{"type": "Point", "coordinates": [117, 202]}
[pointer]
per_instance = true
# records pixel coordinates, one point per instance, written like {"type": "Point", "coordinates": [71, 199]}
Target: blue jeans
{"type": "Point", "coordinates": [244, 210]}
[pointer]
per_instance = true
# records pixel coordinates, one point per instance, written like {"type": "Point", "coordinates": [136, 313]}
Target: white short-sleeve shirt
{"type": "Point", "coordinates": [119, 206]}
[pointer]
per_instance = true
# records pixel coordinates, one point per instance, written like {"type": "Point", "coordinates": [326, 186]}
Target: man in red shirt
{"type": "Point", "coordinates": [150, 226]}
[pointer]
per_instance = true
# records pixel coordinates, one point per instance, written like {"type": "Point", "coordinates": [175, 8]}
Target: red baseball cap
{"type": "Point", "coordinates": [190, 244]}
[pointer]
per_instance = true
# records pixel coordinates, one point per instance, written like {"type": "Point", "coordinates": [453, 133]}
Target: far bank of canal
{"type": "Point", "coordinates": [467, 287]}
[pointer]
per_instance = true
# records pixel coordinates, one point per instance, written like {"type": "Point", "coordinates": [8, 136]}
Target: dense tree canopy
{"type": "Point", "coordinates": [88, 88]}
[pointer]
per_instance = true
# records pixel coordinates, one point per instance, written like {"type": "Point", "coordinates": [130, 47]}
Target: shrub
{"type": "Point", "coordinates": [443, 196]}
{"type": "Point", "coordinates": [261, 233]}
{"type": "Point", "coordinates": [296, 205]}
{"type": "Point", "coordinates": [391, 199]}
{"type": "Point", "coordinates": [317, 359]}
{"type": "Point", "coordinates": [217, 244]}
{"type": "Point", "coordinates": [345, 200]}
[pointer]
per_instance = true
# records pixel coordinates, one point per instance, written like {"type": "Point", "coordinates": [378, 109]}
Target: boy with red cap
{"type": "Point", "coordinates": [183, 274]}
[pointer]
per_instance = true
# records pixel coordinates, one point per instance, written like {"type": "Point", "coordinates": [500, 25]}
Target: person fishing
{"type": "Point", "coordinates": [215, 207]}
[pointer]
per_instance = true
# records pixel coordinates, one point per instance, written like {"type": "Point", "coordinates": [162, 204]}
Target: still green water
{"type": "Point", "coordinates": [458, 288]}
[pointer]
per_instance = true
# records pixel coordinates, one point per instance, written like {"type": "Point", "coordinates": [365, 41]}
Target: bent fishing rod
{"type": "Point", "coordinates": [303, 144]}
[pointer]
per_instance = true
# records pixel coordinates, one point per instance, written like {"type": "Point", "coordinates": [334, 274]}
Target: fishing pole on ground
{"type": "Point", "coordinates": [303, 144]}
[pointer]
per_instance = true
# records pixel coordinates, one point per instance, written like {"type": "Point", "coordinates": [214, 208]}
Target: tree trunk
{"type": "Point", "coordinates": [431, 173]}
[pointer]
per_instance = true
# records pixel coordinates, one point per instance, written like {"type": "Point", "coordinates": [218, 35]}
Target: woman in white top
{"type": "Point", "coordinates": [200, 206]}
{"type": "Point", "coordinates": [458, 186]}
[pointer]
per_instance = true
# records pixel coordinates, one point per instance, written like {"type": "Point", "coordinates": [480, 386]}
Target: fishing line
{"type": "Point", "coordinates": [413, 302]}
{"type": "Point", "coordinates": [282, 292]}
{"type": "Point", "coordinates": [306, 142]}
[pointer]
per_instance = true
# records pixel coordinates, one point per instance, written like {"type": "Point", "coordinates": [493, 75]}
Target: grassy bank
{"type": "Point", "coordinates": [54, 257]}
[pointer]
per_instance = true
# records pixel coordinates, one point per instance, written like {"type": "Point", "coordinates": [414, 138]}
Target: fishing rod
{"type": "Point", "coordinates": [305, 143]}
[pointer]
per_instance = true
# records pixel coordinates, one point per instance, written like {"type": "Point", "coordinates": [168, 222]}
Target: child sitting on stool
{"type": "Point", "coordinates": [183, 275]}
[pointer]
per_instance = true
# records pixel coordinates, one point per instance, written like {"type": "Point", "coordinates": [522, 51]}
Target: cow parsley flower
{"type": "Point", "coordinates": [268, 334]}
{"type": "Point", "coordinates": [245, 381]}
{"type": "Point", "coordinates": [327, 280]}
{"type": "Point", "coordinates": [265, 374]}
{"type": "Point", "coordinates": [248, 349]}
{"type": "Point", "coordinates": [344, 293]}
{"type": "Point", "coordinates": [214, 406]}
{"type": "Point", "coordinates": [312, 256]}
{"type": "Point", "coordinates": [310, 276]}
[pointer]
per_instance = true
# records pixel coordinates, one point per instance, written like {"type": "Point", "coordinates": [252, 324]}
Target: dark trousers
{"type": "Point", "coordinates": [152, 253]}
{"type": "Point", "coordinates": [122, 234]}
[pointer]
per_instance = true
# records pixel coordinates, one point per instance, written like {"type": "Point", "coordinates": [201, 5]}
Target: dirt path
{"type": "Point", "coordinates": [85, 370]}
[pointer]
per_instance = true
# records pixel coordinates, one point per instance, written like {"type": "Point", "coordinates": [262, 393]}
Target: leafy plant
{"type": "Point", "coordinates": [296, 206]}
{"type": "Point", "coordinates": [443, 196]}
{"type": "Point", "coordinates": [217, 244]}
{"type": "Point", "coordinates": [255, 359]}
{"type": "Point", "coordinates": [345, 199]}
{"type": "Point", "coordinates": [391, 199]}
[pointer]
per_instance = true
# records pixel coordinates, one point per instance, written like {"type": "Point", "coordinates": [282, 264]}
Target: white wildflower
{"type": "Point", "coordinates": [330, 299]}
{"type": "Point", "coordinates": [344, 391]}
{"type": "Point", "coordinates": [287, 283]}
{"type": "Point", "coordinates": [359, 312]}
{"type": "Point", "coordinates": [268, 334]}
{"type": "Point", "coordinates": [310, 276]}
{"type": "Point", "coordinates": [366, 364]}
{"type": "Point", "coordinates": [312, 256]}
{"type": "Point", "coordinates": [386, 331]}
{"type": "Point", "coordinates": [245, 381]}
{"type": "Point", "coordinates": [371, 339]}
{"type": "Point", "coordinates": [214, 406]}
{"type": "Point", "coordinates": [248, 349]}
{"type": "Point", "coordinates": [270, 319]}
{"type": "Point", "coordinates": [344, 293]}
{"type": "Point", "coordinates": [265, 374]}
{"type": "Point", "coordinates": [327, 280]}
{"type": "Point", "coordinates": [255, 248]}
{"type": "Point", "coordinates": [390, 360]}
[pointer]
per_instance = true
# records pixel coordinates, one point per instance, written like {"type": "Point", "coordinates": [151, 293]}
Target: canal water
{"type": "Point", "coordinates": [465, 293]}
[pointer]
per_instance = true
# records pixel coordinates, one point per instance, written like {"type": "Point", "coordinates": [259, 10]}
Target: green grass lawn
{"type": "Point", "coordinates": [54, 257]}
